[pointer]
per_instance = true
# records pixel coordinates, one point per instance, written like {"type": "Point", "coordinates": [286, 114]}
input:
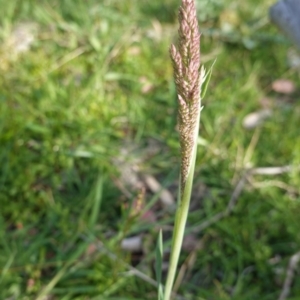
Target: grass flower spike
{"type": "Point", "coordinates": [186, 64]}
{"type": "Point", "coordinates": [188, 79]}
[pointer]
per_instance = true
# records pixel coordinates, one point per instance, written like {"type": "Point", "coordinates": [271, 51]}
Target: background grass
{"type": "Point", "coordinates": [90, 108]}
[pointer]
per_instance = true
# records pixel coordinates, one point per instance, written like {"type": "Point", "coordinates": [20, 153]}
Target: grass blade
{"type": "Point", "coordinates": [206, 80]}
{"type": "Point", "coordinates": [158, 265]}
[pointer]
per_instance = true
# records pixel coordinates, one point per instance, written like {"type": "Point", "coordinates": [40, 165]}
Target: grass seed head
{"type": "Point", "coordinates": [186, 65]}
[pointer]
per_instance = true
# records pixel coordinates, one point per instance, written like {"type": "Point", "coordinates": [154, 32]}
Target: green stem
{"type": "Point", "coordinates": [180, 219]}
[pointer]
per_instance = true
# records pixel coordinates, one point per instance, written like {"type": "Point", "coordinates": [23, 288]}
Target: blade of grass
{"type": "Point", "coordinates": [47, 289]}
{"type": "Point", "coordinates": [206, 80]}
{"type": "Point", "coordinates": [97, 201]}
{"type": "Point", "coordinates": [158, 265]}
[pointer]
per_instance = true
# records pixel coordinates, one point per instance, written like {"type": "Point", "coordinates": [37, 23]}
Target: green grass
{"type": "Point", "coordinates": [76, 112]}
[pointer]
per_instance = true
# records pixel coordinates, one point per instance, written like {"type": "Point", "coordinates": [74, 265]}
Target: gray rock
{"type": "Point", "coordinates": [286, 15]}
